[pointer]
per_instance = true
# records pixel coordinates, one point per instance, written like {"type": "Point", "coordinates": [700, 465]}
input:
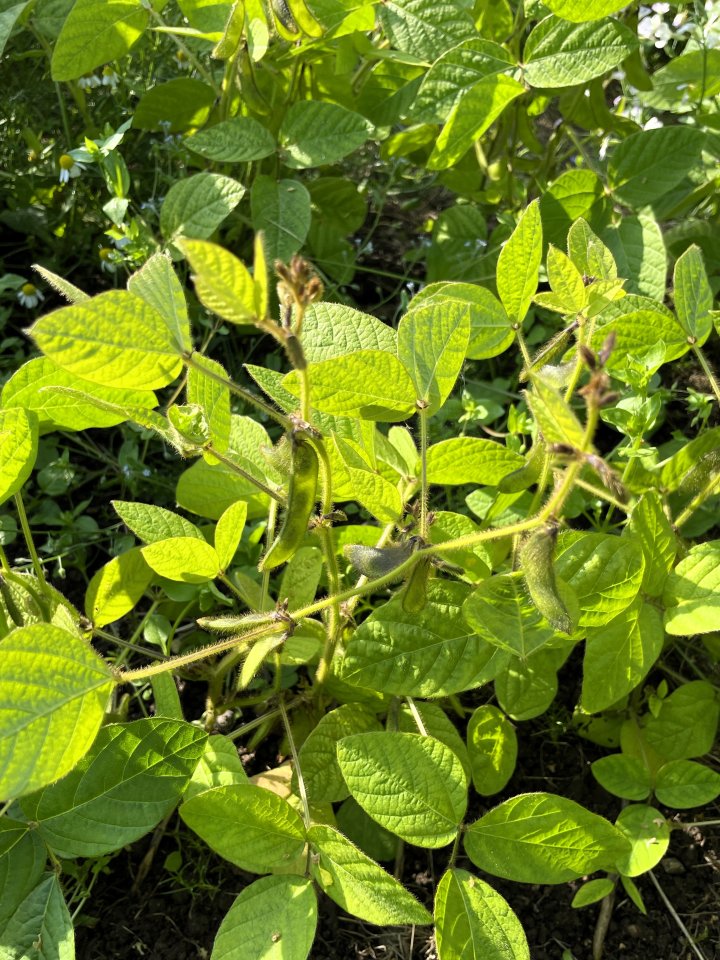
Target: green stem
{"type": "Point", "coordinates": [707, 370]}
{"type": "Point", "coordinates": [269, 537]}
{"type": "Point", "coordinates": [4, 560]}
{"type": "Point", "coordinates": [304, 394]}
{"type": "Point", "coordinates": [204, 73]}
{"type": "Point", "coordinates": [231, 465]}
{"type": "Point", "coordinates": [422, 416]}
{"type": "Point", "coordinates": [239, 391]}
{"type": "Point", "coordinates": [710, 489]}
{"type": "Point", "coordinates": [27, 533]}
{"type": "Point", "coordinates": [296, 763]}
{"type": "Point", "coordinates": [416, 716]}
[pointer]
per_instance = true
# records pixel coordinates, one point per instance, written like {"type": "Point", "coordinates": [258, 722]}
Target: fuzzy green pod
{"type": "Point", "coordinates": [414, 596]}
{"type": "Point", "coordinates": [536, 558]}
{"type": "Point", "coordinates": [302, 490]}
{"type": "Point", "coordinates": [373, 562]}
{"type": "Point", "coordinates": [528, 474]}
{"type": "Point", "coordinates": [237, 624]}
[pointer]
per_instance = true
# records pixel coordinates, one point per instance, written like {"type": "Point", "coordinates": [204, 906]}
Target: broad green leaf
{"type": "Point", "coordinates": [687, 722]}
{"type": "Point", "coordinates": [150, 523]}
{"type": "Point", "coordinates": [575, 194]}
{"type": "Point", "coordinates": [684, 784]}
{"type": "Point", "coordinates": [566, 281]}
{"type": "Point", "coordinates": [379, 496]}
{"type": "Point", "coordinates": [142, 766]}
{"type": "Point", "coordinates": [432, 343]}
{"type": "Point", "coordinates": [623, 776]}
{"type": "Point", "coordinates": [207, 16]}
{"type": "Point", "coordinates": [554, 417]}
{"type": "Point", "coordinates": [314, 133]}
{"type": "Point", "coordinates": [449, 526]}
{"type": "Point", "coordinates": [651, 528]}
{"type": "Point", "coordinates": [175, 106]}
{"type": "Point", "coordinates": [206, 390]}
{"type": "Point", "coordinates": [684, 80]}
{"type": "Point", "coordinates": [473, 922]}
{"type": "Point", "coordinates": [454, 74]}
{"type": "Point", "coordinates": [526, 688]}
{"type": "Point", "coordinates": [692, 592]}
{"type": "Point", "coordinates": [500, 612]}
{"type": "Point", "coordinates": [358, 884]}
{"type": "Point", "coordinates": [238, 140]}
{"type": "Point", "coordinates": [228, 532]}
{"type": "Point", "coordinates": [422, 28]}
{"type": "Point", "coordinates": [693, 295]}
{"type": "Point", "coordinates": [426, 654]}
{"type": "Point", "coordinates": [116, 587]}
{"type": "Point", "coordinates": [8, 18]}
{"type": "Point", "coordinates": [18, 449]}
{"type": "Point", "coordinates": [318, 754]}
{"type": "Point", "coordinates": [605, 572]}
{"type": "Point", "coordinates": [274, 918]}
{"type": "Point", "coordinates": [492, 746]}
{"type": "Point", "coordinates": [648, 164]}
{"type": "Point", "coordinates": [562, 54]}
{"type": "Point", "coordinates": [631, 318]}
{"type": "Point", "coordinates": [301, 577]}
{"type": "Point", "coordinates": [370, 384]}
{"type": "Point", "coordinates": [222, 282]}
{"type": "Point", "coordinates": [115, 339]}
{"type": "Point", "coordinates": [638, 247]}
{"type": "Point", "coordinates": [95, 32]}
{"type": "Point", "coordinates": [12, 833]}
{"type": "Point", "coordinates": [21, 867]}
{"type": "Point", "coordinates": [578, 11]}
{"type": "Point", "coordinates": [157, 284]}
{"type": "Point", "coordinates": [542, 838]}
{"type": "Point", "coordinates": [53, 692]}
{"type": "Point", "coordinates": [412, 785]}
{"type": "Point", "coordinates": [589, 253]}
{"type": "Point", "coordinates": [649, 835]}
{"type": "Point", "coordinates": [332, 330]}
{"type": "Point", "coordinates": [66, 289]}
{"type": "Point", "coordinates": [470, 117]}
{"type": "Point", "coordinates": [619, 655]}
{"type": "Point", "coordinates": [675, 471]}
{"type": "Point", "coordinates": [25, 599]}
{"type": "Point", "coordinates": [209, 490]}
{"type": "Point", "coordinates": [41, 927]}
{"type": "Point", "coordinates": [281, 210]}
{"type": "Point", "coordinates": [186, 559]}
{"type": "Point", "coordinates": [490, 330]}
{"type": "Point", "coordinates": [474, 460]}
{"type": "Point", "coordinates": [436, 724]}
{"type": "Point", "coordinates": [592, 891]}
{"type": "Point", "coordinates": [251, 827]}
{"type": "Point", "coordinates": [374, 841]}
{"type": "Point", "coordinates": [195, 207]}
{"type": "Point", "coordinates": [519, 263]}
{"type": "Point", "coordinates": [219, 766]}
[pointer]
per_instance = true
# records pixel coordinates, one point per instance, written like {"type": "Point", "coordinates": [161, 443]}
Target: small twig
{"type": "Point", "coordinates": [674, 914]}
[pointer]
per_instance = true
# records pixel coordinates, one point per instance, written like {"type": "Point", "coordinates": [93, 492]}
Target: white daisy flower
{"type": "Point", "coordinates": [109, 76]}
{"type": "Point", "coordinates": [89, 81]}
{"type": "Point", "coordinates": [69, 168]}
{"type": "Point", "coordinates": [181, 60]}
{"type": "Point", "coordinates": [29, 296]}
{"type": "Point", "coordinates": [107, 260]}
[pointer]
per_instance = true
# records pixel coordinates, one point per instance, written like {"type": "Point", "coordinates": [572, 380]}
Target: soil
{"type": "Point", "coordinates": [175, 916]}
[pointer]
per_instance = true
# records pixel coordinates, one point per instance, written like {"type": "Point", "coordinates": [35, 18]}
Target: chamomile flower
{"type": "Point", "coordinates": [181, 60]}
{"type": "Point", "coordinates": [88, 81]}
{"type": "Point", "coordinates": [29, 296]}
{"type": "Point", "coordinates": [109, 76]}
{"type": "Point", "coordinates": [70, 168]}
{"type": "Point", "coordinates": [107, 260]}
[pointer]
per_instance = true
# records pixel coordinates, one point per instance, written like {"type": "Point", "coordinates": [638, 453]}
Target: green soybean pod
{"type": "Point", "coordinates": [414, 596]}
{"type": "Point", "coordinates": [302, 490]}
{"type": "Point", "coordinates": [536, 557]}
{"type": "Point", "coordinates": [373, 562]}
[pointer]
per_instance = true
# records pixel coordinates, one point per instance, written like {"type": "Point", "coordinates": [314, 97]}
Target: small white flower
{"type": "Point", "coordinates": [654, 123]}
{"type": "Point", "coordinates": [69, 168]}
{"type": "Point", "coordinates": [29, 296]}
{"type": "Point", "coordinates": [89, 81]}
{"type": "Point", "coordinates": [181, 60]}
{"type": "Point", "coordinates": [107, 261]}
{"type": "Point", "coordinates": [109, 77]}
{"type": "Point", "coordinates": [660, 7]}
